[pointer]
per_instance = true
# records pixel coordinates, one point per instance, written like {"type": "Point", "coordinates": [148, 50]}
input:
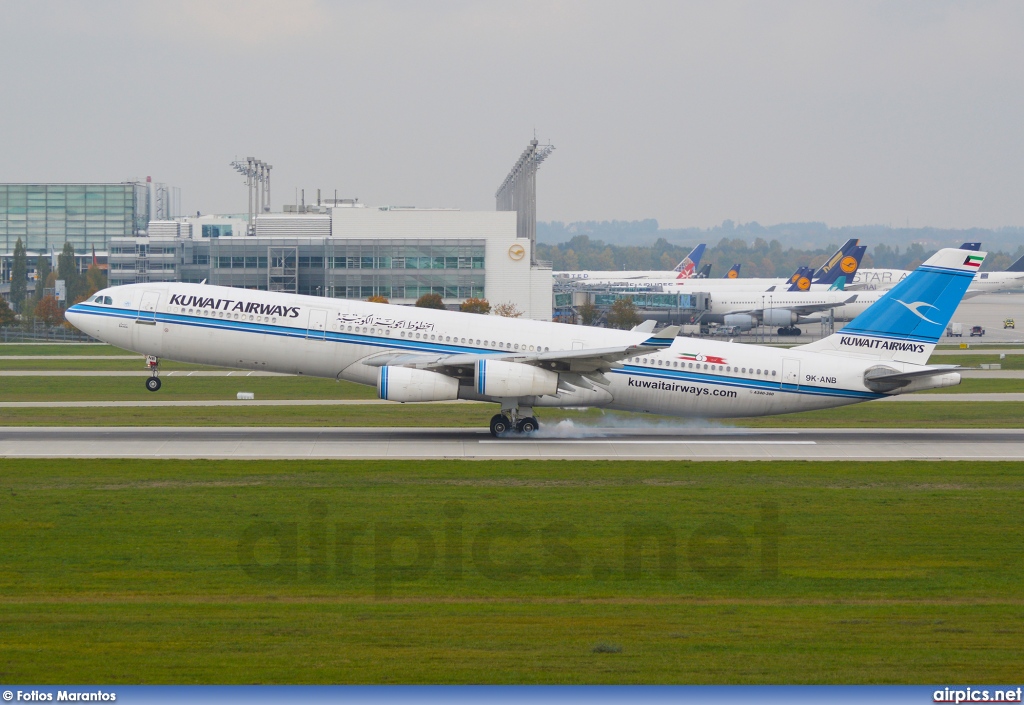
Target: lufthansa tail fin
{"type": "Point", "coordinates": [833, 261]}
{"type": "Point", "coordinates": [906, 323]}
{"type": "Point", "coordinates": [845, 264]}
{"type": "Point", "coordinates": [801, 280]}
{"type": "Point", "coordinates": [734, 271]}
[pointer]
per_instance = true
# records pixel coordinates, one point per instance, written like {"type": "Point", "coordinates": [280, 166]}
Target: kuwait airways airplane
{"type": "Point", "coordinates": [416, 354]}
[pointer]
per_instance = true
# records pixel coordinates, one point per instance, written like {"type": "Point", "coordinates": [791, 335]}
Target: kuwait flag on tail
{"type": "Point", "coordinates": [973, 261]}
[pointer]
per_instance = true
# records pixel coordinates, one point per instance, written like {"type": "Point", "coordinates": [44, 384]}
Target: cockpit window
{"type": "Point", "coordinates": [108, 301]}
{"type": "Point", "coordinates": [102, 300]}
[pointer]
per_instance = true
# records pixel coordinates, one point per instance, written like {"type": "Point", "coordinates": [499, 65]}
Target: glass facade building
{"type": "Point", "coordinates": [45, 216]}
{"type": "Point", "coordinates": [342, 268]}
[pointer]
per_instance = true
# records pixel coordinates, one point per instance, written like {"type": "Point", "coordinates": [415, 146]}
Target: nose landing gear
{"type": "Point", "coordinates": [153, 381]}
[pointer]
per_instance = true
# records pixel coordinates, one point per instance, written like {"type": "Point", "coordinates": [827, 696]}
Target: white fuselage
{"type": "Point", "coordinates": [334, 338]}
{"type": "Point", "coordinates": [984, 282]}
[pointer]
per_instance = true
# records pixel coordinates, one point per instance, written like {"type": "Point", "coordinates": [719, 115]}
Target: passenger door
{"type": "Point", "coordinates": [316, 329]}
{"type": "Point", "coordinates": [147, 308]}
{"type": "Point", "coordinates": [790, 375]}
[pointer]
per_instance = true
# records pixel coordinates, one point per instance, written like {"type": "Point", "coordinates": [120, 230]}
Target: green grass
{"type": "Point", "coordinates": [60, 349]}
{"type": "Point", "coordinates": [137, 365]}
{"type": "Point", "coordinates": [981, 385]}
{"type": "Point", "coordinates": [177, 388]}
{"type": "Point", "coordinates": [867, 415]}
{"type": "Point", "coordinates": [504, 572]}
{"type": "Point", "coordinates": [1010, 362]}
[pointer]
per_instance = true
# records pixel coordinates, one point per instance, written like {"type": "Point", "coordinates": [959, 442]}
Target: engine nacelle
{"type": "Point", "coordinates": [779, 317]}
{"type": "Point", "coordinates": [740, 320]}
{"type": "Point", "coordinates": [497, 378]}
{"type": "Point", "coordinates": [409, 384]}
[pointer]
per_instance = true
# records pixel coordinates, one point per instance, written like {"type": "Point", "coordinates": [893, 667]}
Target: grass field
{"type": "Point", "coordinates": [500, 572]}
{"type": "Point", "coordinates": [177, 388]}
{"type": "Point", "coordinates": [59, 349]}
{"type": "Point", "coordinates": [867, 415]}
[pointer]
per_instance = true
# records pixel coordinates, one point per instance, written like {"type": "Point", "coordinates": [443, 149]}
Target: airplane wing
{"type": "Point", "coordinates": [592, 361]}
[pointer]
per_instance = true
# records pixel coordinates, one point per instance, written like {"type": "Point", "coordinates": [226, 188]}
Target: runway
{"type": "Point", "coordinates": [564, 441]}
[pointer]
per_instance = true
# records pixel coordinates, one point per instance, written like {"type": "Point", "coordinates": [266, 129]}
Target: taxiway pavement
{"type": "Point", "coordinates": [564, 441]}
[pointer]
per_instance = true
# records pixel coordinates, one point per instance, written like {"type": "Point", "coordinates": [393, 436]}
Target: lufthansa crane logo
{"type": "Point", "coordinates": [732, 274]}
{"type": "Point", "coordinates": [803, 284]}
{"type": "Point", "coordinates": [849, 264]}
{"type": "Point", "coordinates": [516, 252]}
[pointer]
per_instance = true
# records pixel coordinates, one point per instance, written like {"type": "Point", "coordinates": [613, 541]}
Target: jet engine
{"type": "Point", "coordinates": [409, 384]}
{"type": "Point", "coordinates": [740, 320]}
{"type": "Point", "coordinates": [780, 317]}
{"type": "Point", "coordinates": [497, 378]}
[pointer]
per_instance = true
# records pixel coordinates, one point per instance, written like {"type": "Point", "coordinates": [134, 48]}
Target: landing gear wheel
{"type": "Point", "coordinates": [527, 425]}
{"type": "Point", "coordinates": [500, 425]}
{"type": "Point", "coordinates": [153, 384]}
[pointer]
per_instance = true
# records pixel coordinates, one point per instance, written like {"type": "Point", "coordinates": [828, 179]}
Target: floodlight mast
{"type": "Point", "coordinates": [518, 192]}
{"type": "Point", "coordinates": [257, 180]}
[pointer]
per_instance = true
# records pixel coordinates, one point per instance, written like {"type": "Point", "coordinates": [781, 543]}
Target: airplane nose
{"type": "Point", "coordinates": [75, 316]}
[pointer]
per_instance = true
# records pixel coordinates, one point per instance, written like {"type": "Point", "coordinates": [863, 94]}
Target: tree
{"type": "Point", "coordinates": [474, 305]}
{"type": "Point", "coordinates": [430, 301]}
{"type": "Point", "coordinates": [378, 299]}
{"type": "Point", "coordinates": [6, 314]}
{"type": "Point", "coordinates": [95, 279]}
{"type": "Point", "coordinates": [43, 270]}
{"type": "Point", "coordinates": [589, 313]}
{"type": "Point", "coordinates": [19, 275]}
{"type": "Point", "coordinates": [68, 271]}
{"type": "Point", "coordinates": [623, 314]}
{"type": "Point", "coordinates": [507, 310]}
{"type": "Point", "coordinates": [48, 311]}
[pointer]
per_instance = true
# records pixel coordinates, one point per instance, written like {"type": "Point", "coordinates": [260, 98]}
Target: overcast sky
{"type": "Point", "coordinates": [689, 112]}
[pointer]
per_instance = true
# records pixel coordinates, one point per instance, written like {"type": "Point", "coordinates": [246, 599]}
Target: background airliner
{"type": "Point", "coordinates": [415, 354]}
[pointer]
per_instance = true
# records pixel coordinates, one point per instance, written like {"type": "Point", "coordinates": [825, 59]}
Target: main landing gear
{"type": "Point", "coordinates": [520, 421]}
{"type": "Point", "coordinates": [153, 381]}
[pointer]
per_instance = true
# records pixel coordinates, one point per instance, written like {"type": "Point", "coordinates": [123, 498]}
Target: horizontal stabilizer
{"type": "Point", "coordinates": [645, 327]}
{"type": "Point", "coordinates": [887, 374]}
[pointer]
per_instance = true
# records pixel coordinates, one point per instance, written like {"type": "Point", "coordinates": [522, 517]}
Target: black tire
{"type": "Point", "coordinates": [500, 425]}
{"type": "Point", "coordinates": [153, 384]}
{"type": "Point", "coordinates": [527, 425]}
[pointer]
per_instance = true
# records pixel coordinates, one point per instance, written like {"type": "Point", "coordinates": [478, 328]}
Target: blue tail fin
{"type": "Point", "coordinates": [907, 322]}
{"type": "Point", "coordinates": [801, 280]}
{"type": "Point", "coordinates": [837, 257]}
{"type": "Point", "coordinates": [846, 263]}
{"type": "Point", "coordinates": [971, 246]}
{"type": "Point", "coordinates": [734, 272]}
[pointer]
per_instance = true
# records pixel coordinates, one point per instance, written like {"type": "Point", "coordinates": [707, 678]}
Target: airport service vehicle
{"type": "Point", "coordinates": [1009, 323]}
{"type": "Point", "coordinates": [955, 330]}
{"type": "Point", "coordinates": [977, 331]}
{"type": "Point", "coordinates": [686, 269]}
{"type": "Point", "coordinates": [414, 354]}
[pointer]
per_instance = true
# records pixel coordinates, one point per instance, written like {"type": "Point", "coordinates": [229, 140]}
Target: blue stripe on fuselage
{"type": "Point", "coordinates": [418, 346]}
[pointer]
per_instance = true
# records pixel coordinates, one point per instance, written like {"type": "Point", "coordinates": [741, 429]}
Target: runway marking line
{"type": "Point", "coordinates": [616, 442]}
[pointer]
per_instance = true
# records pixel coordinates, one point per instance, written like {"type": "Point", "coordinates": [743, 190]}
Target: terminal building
{"type": "Point", "coordinates": [337, 248]}
{"type": "Point", "coordinates": [347, 251]}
